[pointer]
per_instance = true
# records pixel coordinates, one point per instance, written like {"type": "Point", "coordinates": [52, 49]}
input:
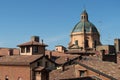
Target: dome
{"type": "Point", "coordinates": [84, 24]}
{"type": "Point", "coordinates": [88, 26]}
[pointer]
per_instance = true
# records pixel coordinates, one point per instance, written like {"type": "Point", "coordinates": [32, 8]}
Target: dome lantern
{"type": "Point", "coordinates": [84, 16]}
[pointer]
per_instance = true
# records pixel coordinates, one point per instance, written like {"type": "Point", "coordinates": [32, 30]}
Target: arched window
{"type": "Point", "coordinates": [82, 17]}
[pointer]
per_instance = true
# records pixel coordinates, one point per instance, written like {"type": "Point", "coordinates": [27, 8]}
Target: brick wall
{"type": "Point", "coordinates": [14, 72]}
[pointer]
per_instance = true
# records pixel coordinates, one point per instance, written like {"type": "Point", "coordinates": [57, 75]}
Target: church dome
{"type": "Point", "coordinates": [88, 26]}
{"type": "Point", "coordinates": [84, 24]}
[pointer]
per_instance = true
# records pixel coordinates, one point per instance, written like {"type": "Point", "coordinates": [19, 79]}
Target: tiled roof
{"type": "Point", "coordinates": [69, 72]}
{"type": "Point", "coordinates": [32, 43]}
{"type": "Point", "coordinates": [59, 74]}
{"type": "Point", "coordinates": [108, 68]}
{"type": "Point", "coordinates": [19, 60]}
{"type": "Point", "coordinates": [64, 59]}
{"type": "Point", "coordinates": [60, 57]}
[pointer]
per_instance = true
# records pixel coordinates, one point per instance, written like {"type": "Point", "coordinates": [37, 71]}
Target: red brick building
{"type": "Point", "coordinates": [32, 65]}
{"type": "Point", "coordinates": [25, 67]}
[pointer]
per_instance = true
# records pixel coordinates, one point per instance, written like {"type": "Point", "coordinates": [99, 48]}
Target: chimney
{"type": "Point", "coordinates": [35, 38]}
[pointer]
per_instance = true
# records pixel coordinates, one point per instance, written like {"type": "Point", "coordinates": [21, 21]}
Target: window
{"type": "Point", "coordinates": [82, 17]}
{"type": "Point", "coordinates": [86, 43]}
{"type": "Point", "coordinates": [6, 77]}
{"type": "Point", "coordinates": [82, 73]}
{"type": "Point", "coordinates": [28, 49]}
{"type": "Point", "coordinates": [22, 49]}
{"type": "Point", "coordinates": [76, 42]}
{"type": "Point", "coordinates": [35, 49]}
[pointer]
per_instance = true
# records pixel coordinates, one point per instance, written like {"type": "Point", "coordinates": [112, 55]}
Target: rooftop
{"type": "Point", "coordinates": [59, 57]}
{"type": "Point", "coordinates": [19, 60]}
{"type": "Point", "coordinates": [108, 68]}
{"type": "Point", "coordinates": [32, 43]}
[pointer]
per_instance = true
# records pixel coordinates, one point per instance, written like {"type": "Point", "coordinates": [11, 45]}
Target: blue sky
{"type": "Point", "coordinates": [53, 20]}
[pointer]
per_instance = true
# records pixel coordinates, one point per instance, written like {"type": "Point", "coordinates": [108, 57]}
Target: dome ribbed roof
{"type": "Point", "coordinates": [84, 24]}
{"type": "Point", "coordinates": [87, 25]}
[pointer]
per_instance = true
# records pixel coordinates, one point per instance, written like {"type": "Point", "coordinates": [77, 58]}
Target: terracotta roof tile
{"type": "Point", "coordinates": [61, 58]}
{"type": "Point", "coordinates": [59, 74]}
{"type": "Point", "coordinates": [18, 60]}
{"type": "Point", "coordinates": [32, 43]}
{"type": "Point", "coordinates": [109, 68]}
